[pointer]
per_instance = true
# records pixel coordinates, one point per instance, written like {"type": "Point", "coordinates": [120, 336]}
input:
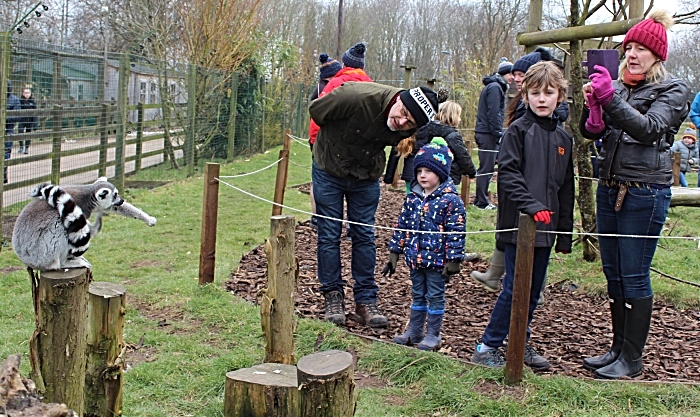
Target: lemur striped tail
{"type": "Point", "coordinates": [72, 216]}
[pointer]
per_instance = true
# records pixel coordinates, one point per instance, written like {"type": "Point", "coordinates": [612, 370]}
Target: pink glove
{"type": "Point", "coordinates": [594, 123]}
{"type": "Point", "coordinates": [602, 85]}
{"type": "Point", "coordinates": [542, 216]}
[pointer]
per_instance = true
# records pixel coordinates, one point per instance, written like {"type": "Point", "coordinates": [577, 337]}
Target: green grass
{"type": "Point", "coordinates": [181, 367]}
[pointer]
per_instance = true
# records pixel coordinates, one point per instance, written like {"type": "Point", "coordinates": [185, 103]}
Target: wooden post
{"type": "Point", "coordinates": [277, 305]}
{"type": "Point", "coordinates": [578, 33]}
{"type": "Point", "coordinates": [534, 20]}
{"type": "Point", "coordinates": [636, 9]}
{"type": "Point", "coordinates": [105, 350]}
{"type": "Point", "coordinates": [191, 117]}
{"type": "Point", "coordinates": [326, 384]}
{"type": "Point", "coordinates": [139, 136]}
{"type": "Point", "coordinates": [465, 191]}
{"type": "Point", "coordinates": [122, 100]}
{"type": "Point", "coordinates": [517, 335]}
{"type": "Point", "coordinates": [104, 131]}
{"type": "Point", "coordinates": [407, 76]}
{"type": "Point", "coordinates": [232, 118]}
{"type": "Point", "coordinates": [210, 210]}
{"type": "Point", "coordinates": [282, 171]}
{"type": "Point", "coordinates": [57, 122]}
{"type": "Point", "coordinates": [57, 349]}
{"type": "Point", "coordinates": [5, 54]}
{"type": "Point", "coordinates": [676, 168]}
{"type": "Point", "coordinates": [265, 390]}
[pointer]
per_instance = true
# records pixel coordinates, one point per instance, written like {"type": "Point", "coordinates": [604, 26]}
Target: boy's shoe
{"type": "Point", "coordinates": [369, 314]}
{"type": "Point", "coordinates": [488, 207]}
{"type": "Point", "coordinates": [492, 358]}
{"type": "Point", "coordinates": [534, 360]}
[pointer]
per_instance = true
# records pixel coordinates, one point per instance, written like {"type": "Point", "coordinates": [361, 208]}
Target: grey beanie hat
{"type": "Point", "coordinates": [355, 56]}
{"type": "Point", "coordinates": [504, 66]}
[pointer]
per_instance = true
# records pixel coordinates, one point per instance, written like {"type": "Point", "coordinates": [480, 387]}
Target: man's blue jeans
{"type": "Point", "coordinates": [499, 325]}
{"type": "Point", "coordinates": [626, 260]}
{"type": "Point", "coordinates": [362, 200]}
{"type": "Point", "coordinates": [428, 289]}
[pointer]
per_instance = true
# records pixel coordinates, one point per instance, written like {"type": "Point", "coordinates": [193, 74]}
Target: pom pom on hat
{"type": "Point", "coordinates": [435, 156]}
{"type": "Point", "coordinates": [422, 103]}
{"type": "Point", "coordinates": [651, 33]}
{"type": "Point", "coordinates": [443, 93]}
{"type": "Point", "coordinates": [504, 66]}
{"type": "Point", "coordinates": [524, 63]}
{"type": "Point", "coordinates": [355, 56]}
{"type": "Point", "coordinates": [329, 66]}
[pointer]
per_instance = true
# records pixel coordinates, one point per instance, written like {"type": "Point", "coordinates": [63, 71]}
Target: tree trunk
{"type": "Point", "coordinates": [265, 390]}
{"type": "Point", "coordinates": [326, 384]}
{"type": "Point", "coordinates": [105, 350]}
{"type": "Point", "coordinates": [57, 347]}
{"type": "Point", "coordinates": [277, 306]}
{"type": "Point", "coordinates": [586, 200]}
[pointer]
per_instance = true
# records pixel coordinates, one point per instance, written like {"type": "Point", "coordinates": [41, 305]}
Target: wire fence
{"type": "Point", "coordinates": [74, 115]}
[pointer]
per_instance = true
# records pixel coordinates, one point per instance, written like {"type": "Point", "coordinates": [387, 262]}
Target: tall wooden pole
{"type": "Point", "coordinates": [534, 20]}
{"type": "Point", "coordinates": [122, 101]}
{"type": "Point", "coordinates": [636, 9]}
{"type": "Point", "coordinates": [210, 209]}
{"type": "Point", "coordinates": [517, 335]}
{"type": "Point", "coordinates": [282, 171]}
{"type": "Point", "coordinates": [339, 49]}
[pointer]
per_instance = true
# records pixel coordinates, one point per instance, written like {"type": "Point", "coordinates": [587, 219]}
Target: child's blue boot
{"type": "Point", "coordinates": [432, 339]}
{"type": "Point", "coordinates": [414, 333]}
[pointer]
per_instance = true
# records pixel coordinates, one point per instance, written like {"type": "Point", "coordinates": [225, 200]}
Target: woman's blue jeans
{"type": "Point", "coordinates": [682, 181]}
{"type": "Point", "coordinates": [362, 200]}
{"type": "Point", "coordinates": [626, 260]}
{"type": "Point", "coordinates": [499, 325]}
{"type": "Point", "coordinates": [428, 289]}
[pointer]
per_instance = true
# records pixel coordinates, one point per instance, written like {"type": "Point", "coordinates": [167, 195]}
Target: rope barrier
{"type": "Point", "coordinates": [254, 172]}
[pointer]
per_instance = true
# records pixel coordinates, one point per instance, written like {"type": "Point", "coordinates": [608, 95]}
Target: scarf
{"type": "Point", "coordinates": [632, 80]}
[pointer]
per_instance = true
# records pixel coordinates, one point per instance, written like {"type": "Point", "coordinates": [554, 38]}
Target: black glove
{"type": "Point", "coordinates": [450, 269]}
{"type": "Point", "coordinates": [390, 266]}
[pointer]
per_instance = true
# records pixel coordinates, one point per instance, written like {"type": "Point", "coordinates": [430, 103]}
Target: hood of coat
{"type": "Point", "coordinates": [426, 133]}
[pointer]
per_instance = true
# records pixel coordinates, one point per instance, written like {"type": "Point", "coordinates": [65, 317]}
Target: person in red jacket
{"type": "Point", "coordinates": [353, 70]}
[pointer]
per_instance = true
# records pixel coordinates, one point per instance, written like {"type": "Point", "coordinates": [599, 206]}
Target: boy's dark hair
{"type": "Point", "coordinates": [545, 74]}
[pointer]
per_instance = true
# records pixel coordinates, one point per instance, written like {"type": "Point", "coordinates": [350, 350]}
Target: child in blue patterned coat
{"type": "Point", "coordinates": [435, 210]}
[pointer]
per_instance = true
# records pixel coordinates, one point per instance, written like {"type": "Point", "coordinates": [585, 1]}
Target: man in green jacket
{"type": "Point", "coordinates": [357, 121]}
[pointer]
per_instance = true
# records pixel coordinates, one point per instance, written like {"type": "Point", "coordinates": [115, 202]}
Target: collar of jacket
{"type": "Point", "coordinates": [546, 123]}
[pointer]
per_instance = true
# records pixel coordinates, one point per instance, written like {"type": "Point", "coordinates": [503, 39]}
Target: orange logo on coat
{"type": "Point", "coordinates": [561, 151]}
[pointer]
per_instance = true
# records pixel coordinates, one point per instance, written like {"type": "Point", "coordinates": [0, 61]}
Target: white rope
{"type": "Point", "coordinates": [303, 141]}
{"type": "Point", "coordinates": [254, 172]}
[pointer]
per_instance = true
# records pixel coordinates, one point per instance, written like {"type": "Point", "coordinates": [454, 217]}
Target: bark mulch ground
{"type": "Point", "coordinates": [570, 325]}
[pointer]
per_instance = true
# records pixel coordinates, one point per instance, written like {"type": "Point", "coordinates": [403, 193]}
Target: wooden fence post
{"type": "Point", "coordinates": [105, 350]}
{"type": "Point", "coordinates": [282, 171]}
{"type": "Point", "coordinates": [517, 335]}
{"type": "Point", "coordinates": [676, 168]}
{"type": "Point", "coordinates": [57, 122]}
{"type": "Point", "coordinates": [277, 305]}
{"type": "Point", "coordinates": [191, 110]}
{"type": "Point", "coordinates": [326, 385]}
{"type": "Point", "coordinates": [5, 53]}
{"type": "Point", "coordinates": [122, 100]}
{"type": "Point", "coordinates": [57, 349]}
{"type": "Point", "coordinates": [265, 390]}
{"type": "Point", "coordinates": [139, 137]}
{"type": "Point", "coordinates": [232, 118]}
{"type": "Point", "coordinates": [210, 209]}
{"type": "Point", "coordinates": [465, 191]}
{"type": "Point", "coordinates": [104, 132]}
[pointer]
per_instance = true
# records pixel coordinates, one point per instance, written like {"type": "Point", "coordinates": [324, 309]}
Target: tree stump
{"type": "Point", "coordinates": [265, 390]}
{"type": "Point", "coordinates": [326, 384]}
{"type": "Point", "coordinates": [105, 350]}
{"type": "Point", "coordinates": [277, 305]}
{"type": "Point", "coordinates": [57, 347]}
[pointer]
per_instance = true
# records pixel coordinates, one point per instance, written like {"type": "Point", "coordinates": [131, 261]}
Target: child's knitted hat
{"type": "Point", "coordinates": [355, 56]}
{"type": "Point", "coordinates": [524, 63]}
{"type": "Point", "coordinates": [329, 66]}
{"type": "Point", "coordinates": [689, 133]}
{"type": "Point", "coordinates": [435, 156]}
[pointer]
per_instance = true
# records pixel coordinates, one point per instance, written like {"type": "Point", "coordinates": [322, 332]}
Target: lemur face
{"type": "Point", "coordinates": [108, 197]}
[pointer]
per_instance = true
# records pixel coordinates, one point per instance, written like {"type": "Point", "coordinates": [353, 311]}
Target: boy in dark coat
{"type": "Point", "coordinates": [434, 252]}
{"type": "Point", "coordinates": [535, 177]}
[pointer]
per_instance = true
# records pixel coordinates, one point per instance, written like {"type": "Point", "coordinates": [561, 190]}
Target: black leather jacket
{"type": "Point", "coordinates": [641, 123]}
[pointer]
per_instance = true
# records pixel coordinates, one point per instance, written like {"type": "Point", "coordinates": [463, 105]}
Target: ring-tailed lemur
{"type": "Point", "coordinates": [53, 231]}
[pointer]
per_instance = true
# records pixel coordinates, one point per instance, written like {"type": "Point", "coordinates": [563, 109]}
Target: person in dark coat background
{"type": "Point", "coordinates": [489, 128]}
{"type": "Point", "coordinates": [27, 123]}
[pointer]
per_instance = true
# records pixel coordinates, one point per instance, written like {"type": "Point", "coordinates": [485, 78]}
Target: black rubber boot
{"type": "Point", "coordinates": [637, 323]}
{"type": "Point", "coordinates": [617, 311]}
{"type": "Point", "coordinates": [432, 339]}
{"type": "Point", "coordinates": [414, 333]}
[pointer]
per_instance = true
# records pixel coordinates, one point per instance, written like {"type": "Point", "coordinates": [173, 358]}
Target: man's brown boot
{"type": "Point", "coordinates": [370, 315]}
{"type": "Point", "coordinates": [335, 307]}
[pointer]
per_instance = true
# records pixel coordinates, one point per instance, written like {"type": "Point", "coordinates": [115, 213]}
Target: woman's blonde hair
{"type": "Point", "coordinates": [656, 73]}
{"type": "Point", "coordinates": [545, 74]}
{"type": "Point", "coordinates": [450, 113]}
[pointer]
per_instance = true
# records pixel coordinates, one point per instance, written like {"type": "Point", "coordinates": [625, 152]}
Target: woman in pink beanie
{"type": "Point", "coordinates": [637, 117]}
